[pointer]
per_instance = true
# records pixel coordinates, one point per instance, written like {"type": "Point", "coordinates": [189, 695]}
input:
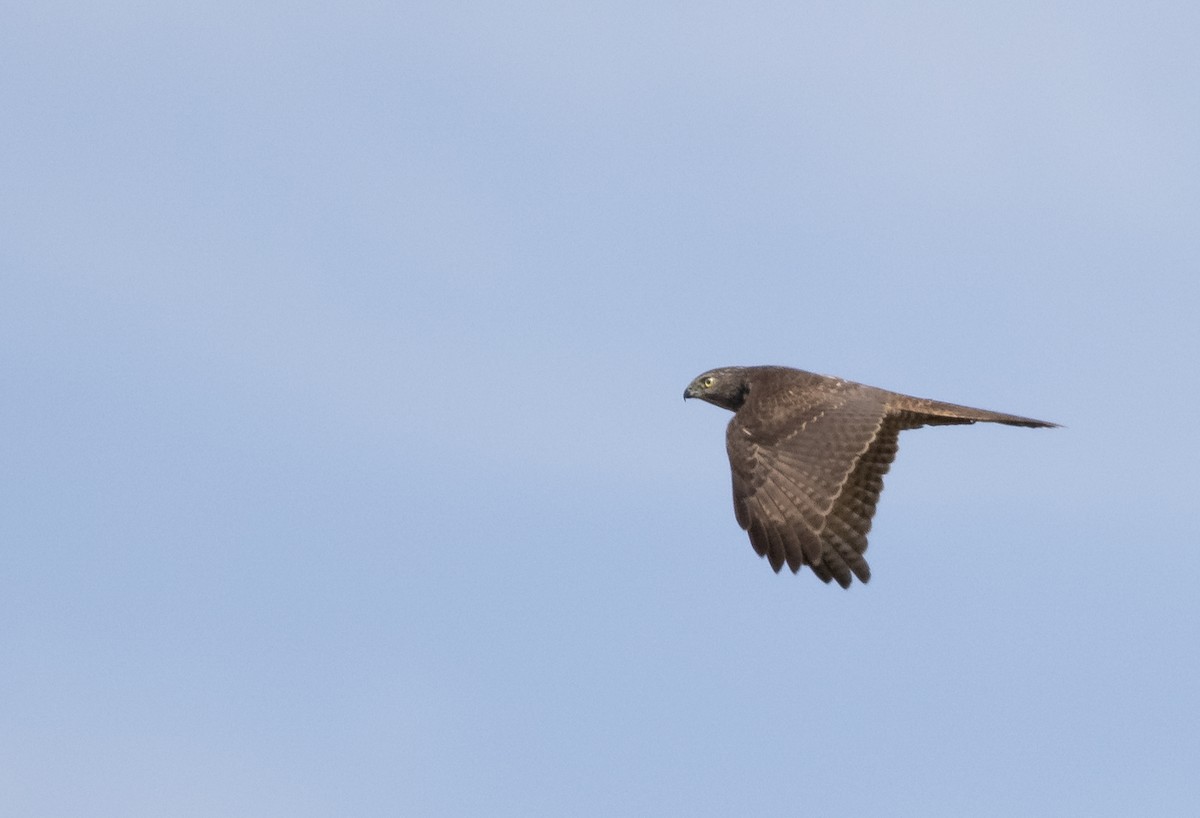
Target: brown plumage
{"type": "Point", "coordinates": [808, 454]}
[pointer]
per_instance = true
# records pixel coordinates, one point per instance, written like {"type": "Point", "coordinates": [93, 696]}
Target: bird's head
{"type": "Point", "coordinates": [725, 387]}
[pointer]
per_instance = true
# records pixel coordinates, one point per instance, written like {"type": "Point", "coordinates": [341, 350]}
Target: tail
{"type": "Point", "coordinates": [937, 413]}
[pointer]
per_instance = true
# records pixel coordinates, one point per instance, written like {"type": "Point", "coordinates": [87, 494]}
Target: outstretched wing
{"type": "Point", "coordinates": [807, 470]}
{"type": "Point", "coordinates": [849, 521]}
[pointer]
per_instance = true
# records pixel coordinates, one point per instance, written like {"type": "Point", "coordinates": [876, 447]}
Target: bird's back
{"type": "Point", "coordinates": [801, 388]}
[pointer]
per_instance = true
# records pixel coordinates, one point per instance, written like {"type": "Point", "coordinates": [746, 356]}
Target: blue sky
{"type": "Point", "coordinates": [345, 467]}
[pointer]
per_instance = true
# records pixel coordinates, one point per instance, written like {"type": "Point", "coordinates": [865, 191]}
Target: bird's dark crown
{"type": "Point", "coordinates": [726, 387]}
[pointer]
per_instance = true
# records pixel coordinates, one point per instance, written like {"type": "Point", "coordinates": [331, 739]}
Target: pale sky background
{"type": "Point", "coordinates": [345, 470]}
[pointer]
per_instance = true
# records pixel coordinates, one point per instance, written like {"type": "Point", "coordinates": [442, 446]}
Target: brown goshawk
{"type": "Point", "coordinates": [808, 454]}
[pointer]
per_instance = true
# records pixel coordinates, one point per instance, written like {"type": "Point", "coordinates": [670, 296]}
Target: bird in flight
{"type": "Point", "coordinates": [808, 454]}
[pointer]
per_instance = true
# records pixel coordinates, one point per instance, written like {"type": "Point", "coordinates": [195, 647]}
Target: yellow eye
{"type": "Point", "coordinates": [708, 382]}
